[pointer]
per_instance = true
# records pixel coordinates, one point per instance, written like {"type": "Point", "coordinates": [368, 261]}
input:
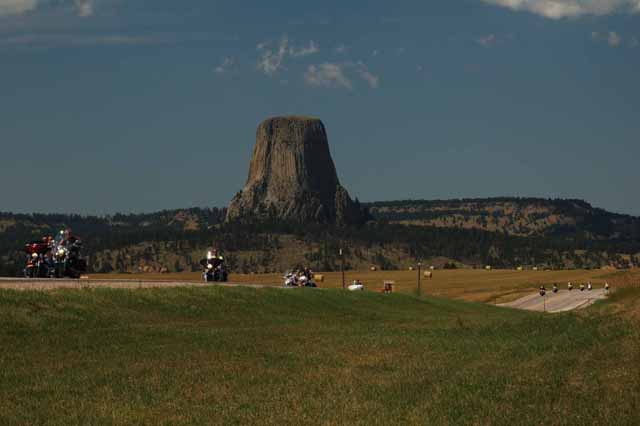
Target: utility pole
{"type": "Point", "coordinates": [342, 269]}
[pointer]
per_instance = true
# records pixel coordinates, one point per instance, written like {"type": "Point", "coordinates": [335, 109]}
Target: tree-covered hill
{"type": "Point", "coordinates": [514, 216]}
{"type": "Point", "coordinates": [502, 232]}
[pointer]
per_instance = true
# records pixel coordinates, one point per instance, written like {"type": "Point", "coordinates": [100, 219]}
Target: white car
{"type": "Point", "coordinates": [356, 286]}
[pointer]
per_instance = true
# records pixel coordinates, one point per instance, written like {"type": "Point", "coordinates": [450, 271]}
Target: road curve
{"type": "Point", "coordinates": [562, 301]}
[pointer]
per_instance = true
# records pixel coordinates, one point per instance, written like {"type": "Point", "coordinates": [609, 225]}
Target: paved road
{"type": "Point", "coordinates": [562, 301]}
{"type": "Point", "coordinates": [47, 284]}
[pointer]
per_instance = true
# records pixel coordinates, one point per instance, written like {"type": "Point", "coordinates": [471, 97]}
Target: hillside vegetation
{"type": "Point", "coordinates": [505, 232]}
{"type": "Point", "coordinates": [514, 216]}
{"type": "Point", "coordinates": [277, 357]}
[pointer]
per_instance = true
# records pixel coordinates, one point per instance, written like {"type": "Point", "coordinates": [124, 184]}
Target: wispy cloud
{"type": "Point", "coordinates": [340, 75]}
{"type": "Point", "coordinates": [488, 40]}
{"type": "Point", "coordinates": [305, 51]}
{"type": "Point", "coordinates": [612, 38]}
{"type": "Point", "coordinates": [558, 9]}
{"type": "Point", "coordinates": [16, 7]}
{"type": "Point", "coordinates": [366, 75]}
{"type": "Point", "coordinates": [328, 75]}
{"type": "Point", "coordinates": [225, 65]}
{"type": "Point", "coordinates": [272, 59]}
{"type": "Point", "coordinates": [84, 8]}
{"type": "Point", "coordinates": [53, 40]}
{"type": "Point", "coordinates": [81, 8]}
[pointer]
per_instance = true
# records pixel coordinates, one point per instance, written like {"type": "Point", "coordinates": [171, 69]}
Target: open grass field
{"type": "Point", "coordinates": [225, 356]}
{"type": "Point", "coordinates": [496, 286]}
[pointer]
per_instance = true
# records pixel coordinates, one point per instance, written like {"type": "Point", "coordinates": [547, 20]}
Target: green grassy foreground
{"type": "Point", "coordinates": [266, 356]}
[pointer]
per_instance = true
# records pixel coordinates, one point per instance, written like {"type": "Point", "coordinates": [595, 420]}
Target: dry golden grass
{"type": "Point", "coordinates": [496, 286]}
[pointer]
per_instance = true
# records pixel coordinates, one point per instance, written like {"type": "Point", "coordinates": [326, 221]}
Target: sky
{"type": "Point", "coordinates": [141, 105]}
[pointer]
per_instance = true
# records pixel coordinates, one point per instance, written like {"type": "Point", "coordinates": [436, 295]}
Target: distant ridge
{"type": "Point", "coordinates": [522, 216]}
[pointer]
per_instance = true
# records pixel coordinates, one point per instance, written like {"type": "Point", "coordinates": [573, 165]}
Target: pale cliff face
{"type": "Point", "coordinates": [293, 176]}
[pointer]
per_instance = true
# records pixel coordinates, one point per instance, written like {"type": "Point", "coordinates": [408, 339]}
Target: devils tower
{"type": "Point", "coordinates": [292, 177]}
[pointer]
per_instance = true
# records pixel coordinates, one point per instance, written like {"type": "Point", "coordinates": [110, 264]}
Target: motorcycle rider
{"type": "Point", "coordinates": [570, 286]}
{"type": "Point", "coordinates": [581, 287]}
{"type": "Point", "coordinates": [555, 288]}
{"type": "Point", "coordinates": [589, 286]}
{"type": "Point", "coordinates": [307, 272]}
{"type": "Point", "coordinates": [213, 264]}
{"type": "Point", "coordinates": [606, 286]}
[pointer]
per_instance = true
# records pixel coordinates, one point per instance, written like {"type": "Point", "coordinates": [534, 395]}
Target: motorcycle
{"type": "Point", "coordinates": [306, 282]}
{"type": "Point", "coordinates": [55, 259]}
{"type": "Point", "coordinates": [214, 270]}
{"type": "Point", "coordinates": [291, 279]}
{"type": "Point", "coordinates": [67, 260]}
{"type": "Point", "coordinates": [37, 265]}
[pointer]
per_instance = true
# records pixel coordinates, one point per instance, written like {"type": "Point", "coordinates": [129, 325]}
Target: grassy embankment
{"type": "Point", "coordinates": [497, 286]}
{"type": "Point", "coordinates": [194, 356]}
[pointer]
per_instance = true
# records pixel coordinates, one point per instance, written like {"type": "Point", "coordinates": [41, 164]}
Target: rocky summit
{"type": "Point", "coordinates": [292, 177]}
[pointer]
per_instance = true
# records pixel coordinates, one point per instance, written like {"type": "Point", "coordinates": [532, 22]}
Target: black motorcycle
{"type": "Point", "coordinates": [214, 270]}
{"type": "Point", "coordinates": [67, 261]}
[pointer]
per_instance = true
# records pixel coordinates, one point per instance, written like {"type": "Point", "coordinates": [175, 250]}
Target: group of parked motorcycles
{"type": "Point", "coordinates": [58, 257]}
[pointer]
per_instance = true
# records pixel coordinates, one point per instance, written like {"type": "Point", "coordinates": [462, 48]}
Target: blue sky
{"type": "Point", "coordinates": [139, 105]}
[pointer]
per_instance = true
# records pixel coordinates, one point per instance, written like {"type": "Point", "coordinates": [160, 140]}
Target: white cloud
{"type": "Point", "coordinates": [84, 8]}
{"type": "Point", "coordinates": [488, 40]}
{"type": "Point", "coordinates": [272, 60]}
{"type": "Point", "coordinates": [341, 49]}
{"type": "Point", "coordinates": [16, 7]}
{"type": "Point", "coordinates": [375, 52]}
{"type": "Point", "coordinates": [614, 39]}
{"type": "Point", "coordinates": [557, 9]}
{"type": "Point", "coordinates": [53, 40]}
{"type": "Point", "coordinates": [81, 8]}
{"type": "Point", "coordinates": [328, 75]}
{"type": "Point", "coordinates": [225, 65]}
{"type": "Point", "coordinates": [366, 75]}
{"type": "Point", "coordinates": [336, 75]}
{"type": "Point", "coordinates": [305, 51]}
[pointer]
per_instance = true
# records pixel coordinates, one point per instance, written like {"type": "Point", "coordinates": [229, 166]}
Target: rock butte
{"type": "Point", "coordinates": [292, 177]}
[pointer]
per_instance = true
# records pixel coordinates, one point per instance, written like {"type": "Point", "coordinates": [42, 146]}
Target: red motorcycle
{"type": "Point", "coordinates": [39, 261]}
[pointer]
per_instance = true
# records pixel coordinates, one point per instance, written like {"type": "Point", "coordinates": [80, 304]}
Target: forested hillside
{"type": "Point", "coordinates": [514, 216]}
{"type": "Point", "coordinates": [505, 232]}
